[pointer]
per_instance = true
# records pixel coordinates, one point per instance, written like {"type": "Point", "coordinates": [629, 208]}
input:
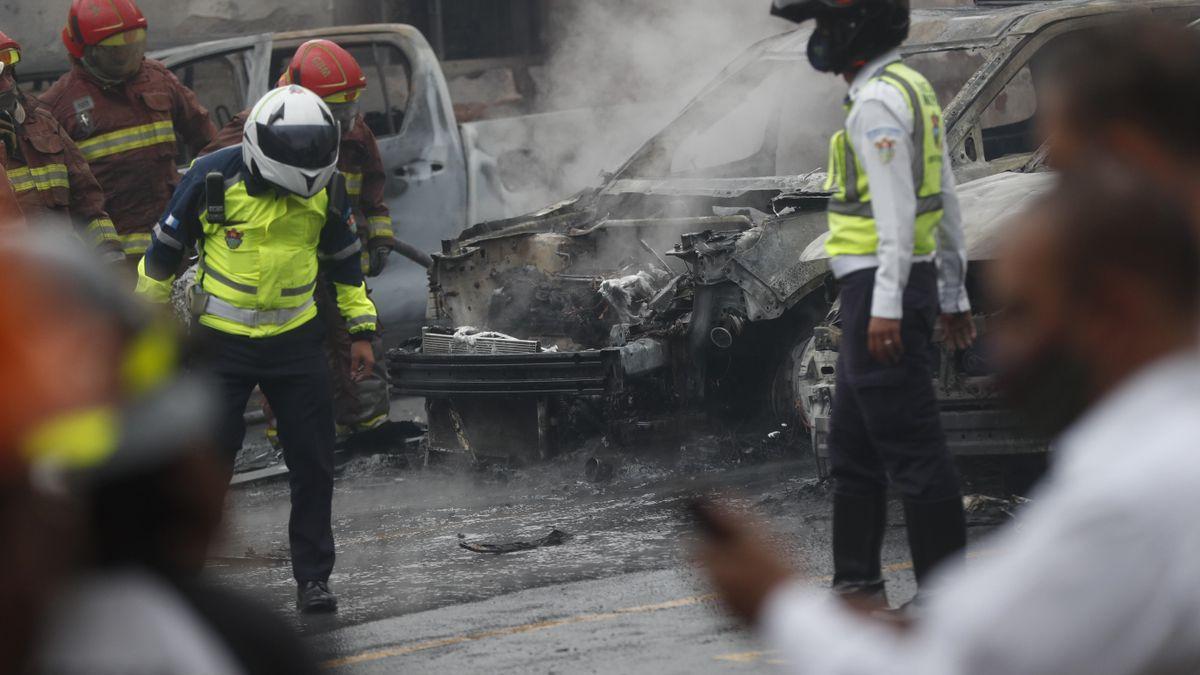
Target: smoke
{"type": "Point", "coordinates": [617, 71]}
{"type": "Point", "coordinates": [610, 52]}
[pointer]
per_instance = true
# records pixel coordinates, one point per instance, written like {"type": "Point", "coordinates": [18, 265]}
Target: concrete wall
{"type": "Point", "coordinates": [36, 24]}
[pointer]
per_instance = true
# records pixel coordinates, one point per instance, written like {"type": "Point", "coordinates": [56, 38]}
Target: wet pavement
{"type": "Point", "coordinates": [413, 600]}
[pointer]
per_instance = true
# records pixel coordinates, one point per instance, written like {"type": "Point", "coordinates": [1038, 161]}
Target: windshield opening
{"type": "Point", "coordinates": [772, 118]}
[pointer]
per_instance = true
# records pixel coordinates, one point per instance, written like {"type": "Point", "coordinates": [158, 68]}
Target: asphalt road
{"type": "Point", "coordinates": [620, 595]}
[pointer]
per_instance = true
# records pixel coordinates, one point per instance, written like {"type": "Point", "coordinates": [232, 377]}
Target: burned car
{"type": "Point", "coordinates": [692, 289]}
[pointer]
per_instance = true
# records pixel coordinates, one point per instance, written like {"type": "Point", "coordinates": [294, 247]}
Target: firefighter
{"type": "Point", "coordinates": [48, 174]}
{"type": "Point", "coordinates": [126, 113]}
{"type": "Point", "coordinates": [895, 239]}
{"type": "Point", "coordinates": [263, 214]}
{"type": "Point", "coordinates": [329, 71]}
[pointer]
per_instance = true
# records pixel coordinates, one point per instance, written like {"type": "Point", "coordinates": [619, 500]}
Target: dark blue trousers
{"type": "Point", "coordinates": [885, 426]}
{"type": "Point", "coordinates": [293, 371]}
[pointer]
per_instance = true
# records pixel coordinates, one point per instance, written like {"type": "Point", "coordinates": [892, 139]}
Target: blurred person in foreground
{"type": "Point", "coordinates": [134, 459]}
{"type": "Point", "coordinates": [1100, 287]}
{"type": "Point", "coordinates": [52, 366]}
{"type": "Point", "coordinates": [1127, 92]}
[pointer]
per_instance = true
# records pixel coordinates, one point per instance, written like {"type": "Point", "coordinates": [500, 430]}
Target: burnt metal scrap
{"type": "Point", "coordinates": [554, 538]}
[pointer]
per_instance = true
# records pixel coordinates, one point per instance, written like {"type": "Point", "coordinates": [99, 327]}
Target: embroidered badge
{"type": "Point", "coordinates": [233, 238]}
{"type": "Point", "coordinates": [886, 147]}
{"type": "Point", "coordinates": [85, 120]}
{"type": "Point", "coordinates": [937, 128]}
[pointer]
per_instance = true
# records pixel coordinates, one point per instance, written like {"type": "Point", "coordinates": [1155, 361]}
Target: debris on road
{"type": "Point", "coordinates": [555, 538]}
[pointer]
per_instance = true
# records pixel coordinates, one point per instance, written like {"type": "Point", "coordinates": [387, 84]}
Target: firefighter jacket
{"type": "Point", "coordinates": [259, 262]}
{"type": "Point", "coordinates": [51, 177]}
{"type": "Point", "coordinates": [128, 133]}
{"type": "Point", "coordinates": [10, 209]}
{"type": "Point", "coordinates": [359, 161]}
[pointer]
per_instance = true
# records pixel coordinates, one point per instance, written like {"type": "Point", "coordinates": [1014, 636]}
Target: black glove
{"type": "Point", "coordinates": [8, 135]}
{"type": "Point", "coordinates": [377, 259]}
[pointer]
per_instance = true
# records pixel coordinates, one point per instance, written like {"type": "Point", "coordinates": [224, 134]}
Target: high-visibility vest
{"type": "Point", "coordinates": [852, 229]}
{"type": "Point", "coordinates": [259, 267]}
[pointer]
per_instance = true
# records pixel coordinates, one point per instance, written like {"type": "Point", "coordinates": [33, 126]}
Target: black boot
{"type": "Point", "coordinates": [858, 525]}
{"type": "Point", "coordinates": [937, 532]}
{"type": "Point", "coordinates": [314, 597]}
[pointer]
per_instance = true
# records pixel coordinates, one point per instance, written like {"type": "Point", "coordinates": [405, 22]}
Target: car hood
{"type": "Point", "coordinates": [988, 206]}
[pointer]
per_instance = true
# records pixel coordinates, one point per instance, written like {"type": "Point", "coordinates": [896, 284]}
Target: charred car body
{"type": "Point", "coordinates": [693, 286]}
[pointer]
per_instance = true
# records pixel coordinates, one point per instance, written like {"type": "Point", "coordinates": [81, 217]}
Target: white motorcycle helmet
{"type": "Point", "coordinates": [291, 140]}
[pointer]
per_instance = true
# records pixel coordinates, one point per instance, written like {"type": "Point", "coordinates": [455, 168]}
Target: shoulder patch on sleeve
{"type": "Point", "coordinates": [884, 140]}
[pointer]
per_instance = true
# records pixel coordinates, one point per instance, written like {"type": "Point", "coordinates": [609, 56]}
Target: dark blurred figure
{"type": "Point", "coordinates": [52, 360]}
{"type": "Point", "coordinates": [1128, 92]}
{"type": "Point", "coordinates": [132, 455]}
{"type": "Point", "coordinates": [1100, 288]}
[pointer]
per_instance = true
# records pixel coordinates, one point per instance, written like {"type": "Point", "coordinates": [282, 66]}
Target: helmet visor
{"type": "Point", "coordinates": [345, 114]}
{"type": "Point", "coordinates": [118, 59]}
{"type": "Point", "coordinates": [308, 146]}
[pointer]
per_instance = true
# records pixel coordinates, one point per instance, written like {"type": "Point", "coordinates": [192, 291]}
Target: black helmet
{"type": "Point", "coordinates": [848, 31]}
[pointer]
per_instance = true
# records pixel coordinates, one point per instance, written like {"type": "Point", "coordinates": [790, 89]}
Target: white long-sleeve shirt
{"type": "Point", "coordinates": [1098, 576]}
{"type": "Point", "coordinates": [880, 128]}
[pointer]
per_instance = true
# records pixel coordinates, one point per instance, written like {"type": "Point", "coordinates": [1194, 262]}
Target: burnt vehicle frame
{"type": "Point", "coordinates": [677, 297]}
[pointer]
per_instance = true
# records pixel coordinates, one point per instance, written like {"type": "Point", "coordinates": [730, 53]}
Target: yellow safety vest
{"type": "Point", "coordinates": [852, 229]}
{"type": "Point", "coordinates": [259, 267]}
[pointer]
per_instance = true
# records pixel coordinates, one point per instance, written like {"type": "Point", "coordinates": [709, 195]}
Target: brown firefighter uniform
{"type": "Point", "coordinates": [51, 178]}
{"type": "Point", "coordinates": [127, 133]}
{"type": "Point", "coordinates": [359, 405]}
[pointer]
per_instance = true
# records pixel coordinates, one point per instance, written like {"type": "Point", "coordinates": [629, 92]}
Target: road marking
{"type": "Point", "coordinates": [752, 657]}
{"type": "Point", "coordinates": [392, 652]}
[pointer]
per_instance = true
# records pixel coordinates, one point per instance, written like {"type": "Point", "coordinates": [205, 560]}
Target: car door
{"type": "Point", "coordinates": [407, 106]}
{"type": "Point", "coordinates": [226, 75]}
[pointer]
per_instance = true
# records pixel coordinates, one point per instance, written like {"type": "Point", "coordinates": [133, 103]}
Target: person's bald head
{"type": "Point", "coordinates": [1099, 278]}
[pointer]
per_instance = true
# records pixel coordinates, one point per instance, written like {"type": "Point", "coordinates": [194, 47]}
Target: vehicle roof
{"type": "Point", "coordinates": [56, 65]}
{"type": "Point", "coordinates": [980, 26]}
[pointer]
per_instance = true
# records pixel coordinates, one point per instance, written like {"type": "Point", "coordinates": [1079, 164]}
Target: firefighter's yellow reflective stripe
{"type": "Point", "coordinates": [354, 183]}
{"type": "Point", "coordinates": [135, 243]}
{"type": "Point", "coordinates": [125, 140]}
{"type": "Point", "coordinates": [380, 226]}
{"type": "Point", "coordinates": [102, 231]}
{"type": "Point", "coordinates": [24, 178]}
{"type": "Point", "coordinates": [76, 440]}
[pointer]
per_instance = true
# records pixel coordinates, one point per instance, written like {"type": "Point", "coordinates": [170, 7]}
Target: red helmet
{"type": "Point", "coordinates": [91, 22]}
{"type": "Point", "coordinates": [10, 51]}
{"type": "Point", "coordinates": [327, 70]}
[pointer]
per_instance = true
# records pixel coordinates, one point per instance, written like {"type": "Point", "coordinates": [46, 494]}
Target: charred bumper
{"type": "Point", "coordinates": [587, 373]}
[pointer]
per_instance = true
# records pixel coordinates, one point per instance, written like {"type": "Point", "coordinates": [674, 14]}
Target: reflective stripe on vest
{"type": "Point", "coordinates": [50, 176]}
{"type": "Point", "coordinates": [255, 317]}
{"type": "Point", "coordinates": [127, 139]}
{"type": "Point", "coordinates": [851, 214]}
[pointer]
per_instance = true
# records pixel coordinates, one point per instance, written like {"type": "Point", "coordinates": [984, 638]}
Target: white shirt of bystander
{"type": "Point", "coordinates": [1097, 576]}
